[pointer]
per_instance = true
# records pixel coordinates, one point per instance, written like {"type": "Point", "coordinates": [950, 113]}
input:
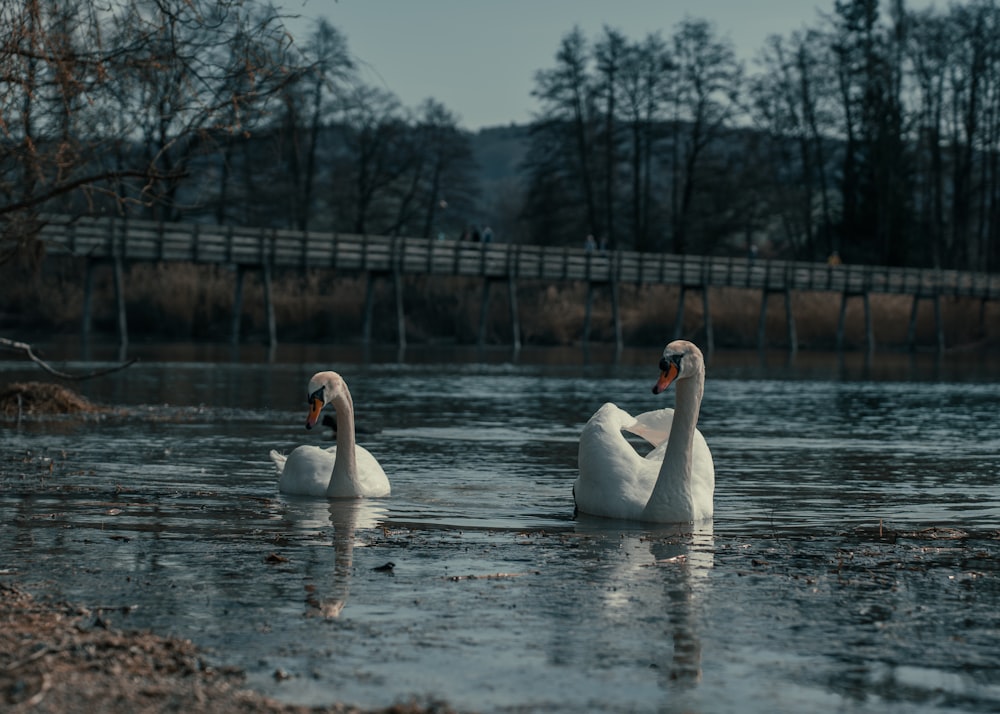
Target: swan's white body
{"type": "Point", "coordinates": [673, 483]}
{"type": "Point", "coordinates": [342, 471]}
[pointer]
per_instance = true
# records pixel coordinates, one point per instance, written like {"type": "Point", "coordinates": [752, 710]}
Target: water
{"type": "Point", "coordinates": [851, 565]}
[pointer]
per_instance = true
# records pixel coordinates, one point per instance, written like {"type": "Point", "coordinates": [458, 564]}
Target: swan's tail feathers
{"type": "Point", "coordinates": [279, 460]}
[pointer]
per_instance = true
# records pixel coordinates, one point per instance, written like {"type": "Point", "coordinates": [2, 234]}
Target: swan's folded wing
{"type": "Point", "coordinates": [652, 426]}
{"type": "Point", "coordinates": [279, 460]}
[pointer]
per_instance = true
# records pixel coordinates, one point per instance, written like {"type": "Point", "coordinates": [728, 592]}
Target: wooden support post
{"type": "Point", "coordinates": [938, 327]}
{"type": "Point", "coordinates": [484, 306]}
{"type": "Point", "coordinates": [397, 284]}
{"type": "Point", "coordinates": [869, 329]}
{"type": "Point", "coordinates": [88, 300]}
{"type": "Point", "coordinates": [840, 322]}
{"type": "Point", "coordinates": [762, 322]}
{"type": "Point", "coordinates": [119, 271]}
{"type": "Point", "coordinates": [586, 311]}
{"type": "Point", "coordinates": [793, 339]}
{"type": "Point", "coordinates": [709, 334]}
{"type": "Point", "coordinates": [679, 320]}
{"type": "Point", "coordinates": [515, 323]}
{"type": "Point", "coordinates": [911, 333]}
{"type": "Point", "coordinates": [238, 304]}
{"type": "Point", "coordinates": [615, 314]}
{"type": "Point", "coordinates": [366, 325]}
{"type": "Point", "coordinates": [272, 327]}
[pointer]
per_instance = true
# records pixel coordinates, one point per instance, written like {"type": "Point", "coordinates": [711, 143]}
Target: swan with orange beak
{"type": "Point", "coordinates": [346, 470]}
{"type": "Point", "coordinates": [673, 483]}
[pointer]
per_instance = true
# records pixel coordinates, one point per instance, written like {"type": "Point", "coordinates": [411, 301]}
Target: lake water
{"type": "Point", "coordinates": [852, 564]}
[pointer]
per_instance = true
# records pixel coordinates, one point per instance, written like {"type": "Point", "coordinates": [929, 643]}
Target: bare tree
{"type": "Point", "coordinates": [610, 56]}
{"type": "Point", "coordinates": [706, 101]}
{"type": "Point", "coordinates": [330, 71]}
{"type": "Point", "coordinates": [563, 141]}
{"type": "Point", "coordinates": [103, 105]}
{"type": "Point", "coordinates": [444, 181]}
{"type": "Point", "coordinates": [375, 152]}
{"type": "Point", "coordinates": [788, 105]}
{"type": "Point", "coordinates": [646, 79]}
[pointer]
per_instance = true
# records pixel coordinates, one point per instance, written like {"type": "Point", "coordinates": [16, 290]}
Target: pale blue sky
{"type": "Point", "coordinates": [479, 57]}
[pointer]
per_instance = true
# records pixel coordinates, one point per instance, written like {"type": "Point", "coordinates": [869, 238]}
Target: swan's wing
{"type": "Point", "coordinates": [307, 471]}
{"type": "Point", "coordinates": [279, 460]}
{"type": "Point", "coordinates": [374, 482]}
{"type": "Point", "coordinates": [652, 426]}
{"type": "Point", "coordinates": [612, 481]}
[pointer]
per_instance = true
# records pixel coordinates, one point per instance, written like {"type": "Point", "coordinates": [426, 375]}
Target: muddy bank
{"type": "Point", "coordinates": [58, 657]}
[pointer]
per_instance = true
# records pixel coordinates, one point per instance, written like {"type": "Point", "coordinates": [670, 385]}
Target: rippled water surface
{"type": "Point", "coordinates": [852, 564]}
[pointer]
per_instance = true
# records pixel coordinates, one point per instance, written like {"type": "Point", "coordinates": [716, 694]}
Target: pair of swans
{"type": "Point", "coordinates": [673, 483]}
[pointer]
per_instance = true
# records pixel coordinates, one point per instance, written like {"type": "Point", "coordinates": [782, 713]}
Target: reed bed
{"type": "Point", "coordinates": [195, 302]}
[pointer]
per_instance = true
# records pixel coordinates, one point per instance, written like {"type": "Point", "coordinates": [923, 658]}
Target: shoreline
{"type": "Point", "coordinates": [58, 657]}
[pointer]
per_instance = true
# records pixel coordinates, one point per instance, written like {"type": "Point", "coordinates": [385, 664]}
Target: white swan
{"type": "Point", "coordinates": [673, 483]}
{"type": "Point", "coordinates": [342, 471]}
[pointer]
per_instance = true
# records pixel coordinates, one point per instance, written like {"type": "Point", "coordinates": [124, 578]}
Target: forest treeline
{"type": "Point", "coordinates": [874, 132]}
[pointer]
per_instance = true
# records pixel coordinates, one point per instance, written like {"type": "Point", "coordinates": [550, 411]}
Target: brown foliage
{"type": "Point", "coordinates": [182, 301]}
{"type": "Point", "coordinates": [42, 398]}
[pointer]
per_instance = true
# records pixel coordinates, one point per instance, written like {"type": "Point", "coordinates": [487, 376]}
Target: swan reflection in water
{"type": "Point", "coordinates": [347, 516]}
{"type": "Point", "coordinates": [657, 570]}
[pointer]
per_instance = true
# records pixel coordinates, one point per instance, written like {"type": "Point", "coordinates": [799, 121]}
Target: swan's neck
{"type": "Point", "coordinates": [673, 484]}
{"type": "Point", "coordinates": [344, 480]}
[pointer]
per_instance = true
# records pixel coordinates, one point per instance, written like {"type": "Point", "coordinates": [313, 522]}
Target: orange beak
{"type": "Point", "coordinates": [666, 378]}
{"type": "Point", "coordinates": [315, 407]}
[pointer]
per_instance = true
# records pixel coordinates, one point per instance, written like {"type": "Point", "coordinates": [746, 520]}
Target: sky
{"type": "Point", "coordinates": [479, 57]}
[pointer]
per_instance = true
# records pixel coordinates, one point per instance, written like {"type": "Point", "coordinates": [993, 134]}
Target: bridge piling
{"type": "Point", "coordinates": [790, 331]}
{"type": "Point", "coordinates": [117, 240]}
{"type": "Point", "coordinates": [869, 329]}
{"type": "Point", "coordinates": [397, 287]}
{"type": "Point", "coordinates": [515, 326]}
{"type": "Point", "coordinates": [272, 327]}
{"type": "Point", "coordinates": [515, 320]}
{"type": "Point", "coordinates": [88, 299]}
{"type": "Point", "coordinates": [616, 322]}
{"type": "Point", "coordinates": [911, 333]}
{"type": "Point", "coordinates": [237, 305]}
{"type": "Point", "coordinates": [707, 315]}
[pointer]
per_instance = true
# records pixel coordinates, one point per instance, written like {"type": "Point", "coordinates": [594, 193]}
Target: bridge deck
{"type": "Point", "coordinates": [152, 241]}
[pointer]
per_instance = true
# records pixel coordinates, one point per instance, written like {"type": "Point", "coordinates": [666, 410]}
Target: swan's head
{"type": "Point", "coordinates": [324, 388]}
{"type": "Point", "coordinates": [681, 359]}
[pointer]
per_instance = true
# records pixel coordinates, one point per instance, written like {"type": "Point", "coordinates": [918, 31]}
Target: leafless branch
{"type": "Point", "coordinates": [26, 349]}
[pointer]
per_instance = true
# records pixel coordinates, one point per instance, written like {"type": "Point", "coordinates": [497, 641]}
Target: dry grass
{"type": "Point", "coordinates": [42, 398]}
{"type": "Point", "coordinates": [178, 301]}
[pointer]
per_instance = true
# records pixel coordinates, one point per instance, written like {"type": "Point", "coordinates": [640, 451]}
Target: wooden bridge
{"type": "Point", "coordinates": [119, 240]}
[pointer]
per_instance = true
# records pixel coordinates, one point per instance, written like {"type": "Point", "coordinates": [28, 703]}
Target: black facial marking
{"type": "Point", "coordinates": [675, 358]}
{"type": "Point", "coordinates": [318, 394]}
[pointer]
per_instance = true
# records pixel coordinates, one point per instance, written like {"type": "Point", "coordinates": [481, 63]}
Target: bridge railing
{"type": "Point", "coordinates": [136, 240]}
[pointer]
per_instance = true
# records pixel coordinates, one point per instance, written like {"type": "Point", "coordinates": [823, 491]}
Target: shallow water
{"type": "Point", "coordinates": [851, 565]}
